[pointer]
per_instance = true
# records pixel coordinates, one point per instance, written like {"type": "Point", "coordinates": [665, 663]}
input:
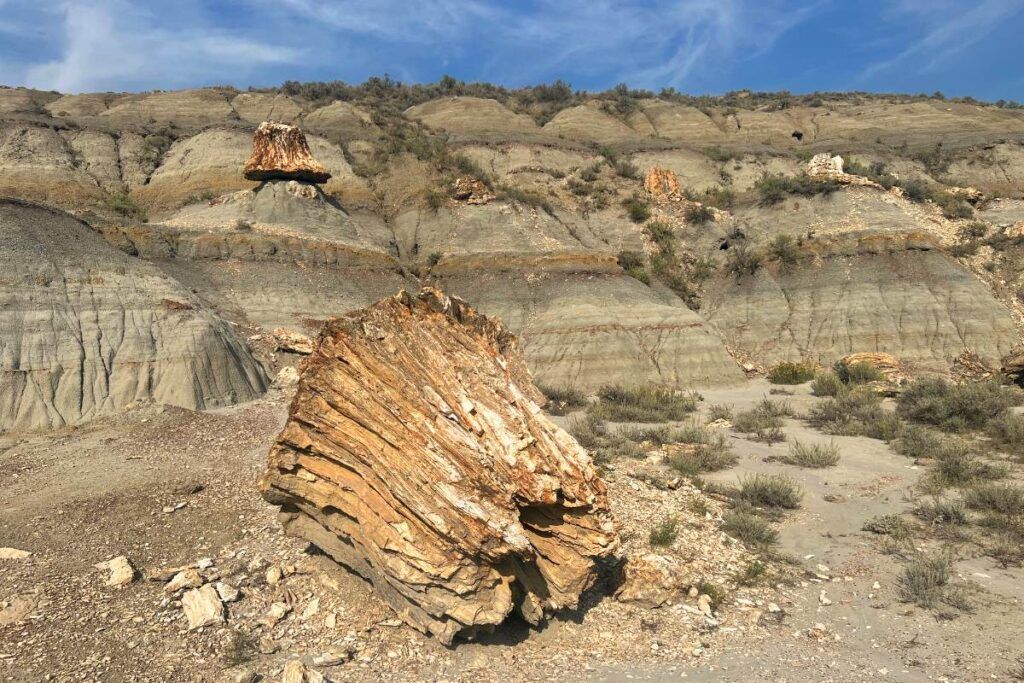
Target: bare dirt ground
{"type": "Point", "coordinates": [169, 488]}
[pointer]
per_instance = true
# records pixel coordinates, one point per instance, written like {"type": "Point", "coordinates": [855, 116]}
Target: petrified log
{"type": "Point", "coordinates": [280, 152]}
{"type": "Point", "coordinates": [416, 454]}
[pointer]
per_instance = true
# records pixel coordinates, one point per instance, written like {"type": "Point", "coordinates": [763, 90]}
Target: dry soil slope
{"type": "Point", "coordinates": [86, 330]}
{"type": "Point", "coordinates": [873, 278]}
{"type": "Point", "coordinates": [282, 254]}
{"type": "Point", "coordinates": [554, 281]}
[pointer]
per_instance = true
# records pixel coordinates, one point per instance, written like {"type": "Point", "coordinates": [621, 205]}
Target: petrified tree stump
{"type": "Point", "coordinates": [280, 152]}
{"type": "Point", "coordinates": [415, 453]}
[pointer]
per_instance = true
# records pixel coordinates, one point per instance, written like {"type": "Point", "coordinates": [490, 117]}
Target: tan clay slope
{"type": "Point", "coordinates": [282, 254]}
{"type": "Point", "coordinates": [897, 293]}
{"type": "Point", "coordinates": [85, 330]}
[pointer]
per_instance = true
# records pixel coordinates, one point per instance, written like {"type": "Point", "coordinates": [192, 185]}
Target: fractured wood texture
{"type": "Point", "coordinates": [416, 454]}
{"type": "Point", "coordinates": [280, 152]}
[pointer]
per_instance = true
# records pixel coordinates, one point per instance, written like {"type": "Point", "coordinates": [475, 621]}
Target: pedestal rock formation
{"type": "Point", "coordinates": [415, 454]}
{"type": "Point", "coordinates": [280, 152]}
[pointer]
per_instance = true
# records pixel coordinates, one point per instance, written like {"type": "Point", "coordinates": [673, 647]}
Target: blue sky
{"type": "Point", "coordinates": [960, 47]}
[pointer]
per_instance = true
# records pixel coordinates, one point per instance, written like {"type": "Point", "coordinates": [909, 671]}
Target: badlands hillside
{"type": "Point", "coordinates": [577, 386]}
{"type": "Point", "coordinates": [531, 205]}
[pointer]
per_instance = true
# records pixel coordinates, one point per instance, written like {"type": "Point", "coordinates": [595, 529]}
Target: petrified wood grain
{"type": "Point", "coordinates": [417, 455]}
{"type": "Point", "coordinates": [280, 152]}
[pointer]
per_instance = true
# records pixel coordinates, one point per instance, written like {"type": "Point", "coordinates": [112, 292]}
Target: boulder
{"type": "Point", "coordinates": [280, 152]}
{"type": "Point", "coordinates": [417, 455]}
{"type": "Point", "coordinates": [292, 341]}
{"type": "Point", "coordinates": [120, 571]}
{"type": "Point", "coordinates": [202, 607]}
{"type": "Point", "coordinates": [652, 581]}
{"type": "Point", "coordinates": [471, 191]}
{"type": "Point", "coordinates": [827, 167]}
{"type": "Point", "coordinates": [1013, 365]}
{"type": "Point", "coordinates": [662, 183]}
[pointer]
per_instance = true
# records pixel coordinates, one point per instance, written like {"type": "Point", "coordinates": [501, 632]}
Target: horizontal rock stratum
{"type": "Point", "coordinates": [415, 453]}
{"type": "Point", "coordinates": [280, 152]}
{"type": "Point", "coordinates": [86, 330]}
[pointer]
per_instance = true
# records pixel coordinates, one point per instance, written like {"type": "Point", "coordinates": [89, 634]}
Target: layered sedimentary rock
{"type": "Point", "coordinates": [280, 152]}
{"type": "Point", "coordinates": [894, 293]}
{"type": "Point", "coordinates": [416, 454]}
{"type": "Point", "coordinates": [86, 330]}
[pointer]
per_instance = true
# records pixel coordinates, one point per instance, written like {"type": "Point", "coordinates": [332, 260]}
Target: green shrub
{"type": "Point", "coordinates": [712, 452]}
{"type": "Point", "coordinates": [716, 594]}
{"type": "Point", "coordinates": [856, 412]}
{"type": "Point", "coordinates": [643, 404]}
{"type": "Point", "coordinates": [766, 415]}
{"type": "Point", "coordinates": [791, 373]}
{"type": "Point", "coordinates": [943, 512]}
{"type": "Point", "coordinates": [637, 210]}
{"type": "Point", "coordinates": [698, 214]}
{"type": "Point", "coordinates": [719, 411]}
{"type": "Point", "coordinates": [741, 261]}
{"type": "Point", "coordinates": [827, 384]}
{"type": "Point", "coordinates": [923, 580]}
{"type": "Point", "coordinates": [627, 170]}
{"type": "Point", "coordinates": [435, 199]}
{"type": "Point", "coordinates": [593, 434]}
{"type": "Point", "coordinates": [771, 491]}
{"type": "Point", "coordinates": [888, 525]}
{"type": "Point", "coordinates": [916, 441]}
{"type": "Point", "coordinates": [718, 197]}
{"type": "Point", "coordinates": [630, 259]}
{"type": "Point", "coordinates": [563, 400]}
{"type": "Point", "coordinates": [773, 188]}
{"type": "Point", "coordinates": [527, 197]}
{"type": "Point", "coordinates": [1007, 430]}
{"type": "Point", "coordinates": [749, 529]}
{"type": "Point", "coordinates": [953, 407]}
{"type": "Point", "coordinates": [959, 468]}
{"type": "Point", "coordinates": [125, 205]}
{"type": "Point", "coordinates": [662, 234]}
{"type": "Point", "coordinates": [859, 373]}
{"type": "Point", "coordinates": [816, 455]}
{"type": "Point", "coordinates": [720, 155]}
{"type": "Point", "coordinates": [952, 207]}
{"type": "Point", "coordinates": [665, 533]}
{"type": "Point", "coordinates": [784, 250]}
{"type": "Point", "coordinates": [769, 435]}
{"type": "Point", "coordinates": [1005, 499]}
{"type": "Point", "coordinates": [656, 435]}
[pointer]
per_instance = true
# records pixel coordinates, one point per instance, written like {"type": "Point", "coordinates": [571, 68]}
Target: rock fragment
{"type": "Point", "coordinates": [187, 578]}
{"type": "Point", "coordinates": [121, 571]}
{"type": "Point", "coordinates": [14, 554]}
{"type": "Point", "coordinates": [292, 341]}
{"type": "Point", "coordinates": [202, 607]}
{"type": "Point", "coordinates": [417, 455]}
{"type": "Point", "coordinates": [651, 581]}
{"type": "Point", "coordinates": [226, 591]}
{"type": "Point", "coordinates": [296, 672]}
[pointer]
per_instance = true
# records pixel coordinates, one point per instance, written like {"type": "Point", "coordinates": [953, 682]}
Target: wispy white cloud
{"type": "Point", "coordinates": [946, 30]}
{"type": "Point", "coordinates": [115, 44]}
{"type": "Point", "coordinates": [81, 45]}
